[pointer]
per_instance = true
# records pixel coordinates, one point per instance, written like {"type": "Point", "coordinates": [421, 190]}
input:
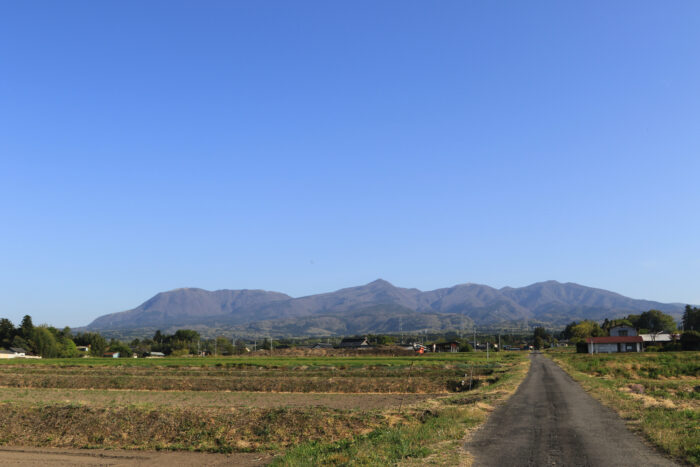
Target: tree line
{"type": "Point", "coordinates": [50, 342]}
{"type": "Point", "coordinates": [649, 322]}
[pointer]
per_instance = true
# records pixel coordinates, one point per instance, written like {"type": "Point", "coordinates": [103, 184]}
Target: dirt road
{"type": "Point", "coordinates": [551, 420]}
{"type": "Point", "coordinates": [53, 457]}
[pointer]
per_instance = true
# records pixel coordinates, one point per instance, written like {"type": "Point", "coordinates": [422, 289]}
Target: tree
{"type": "Point", "coordinates": [224, 346]}
{"type": "Point", "coordinates": [68, 348]}
{"type": "Point", "coordinates": [7, 332]}
{"type": "Point", "coordinates": [690, 340]}
{"type": "Point", "coordinates": [577, 332]}
{"type": "Point", "coordinates": [691, 318]}
{"type": "Point", "coordinates": [26, 328]}
{"type": "Point", "coordinates": [266, 344]}
{"type": "Point", "coordinates": [44, 342]}
{"type": "Point", "coordinates": [539, 342]}
{"type": "Point", "coordinates": [122, 348]}
{"type": "Point", "coordinates": [158, 337]}
{"type": "Point", "coordinates": [656, 322]}
{"type": "Point", "coordinates": [97, 343]}
{"type": "Point", "coordinates": [607, 324]}
{"type": "Point", "coordinates": [240, 347]}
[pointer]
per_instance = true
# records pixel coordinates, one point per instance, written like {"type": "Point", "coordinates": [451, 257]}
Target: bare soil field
{"type": "Point", "coordinates": [218, 399]}
{"type": "Point", "coordinates": [284, 410]}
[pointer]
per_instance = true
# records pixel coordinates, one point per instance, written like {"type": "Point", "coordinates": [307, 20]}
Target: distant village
{"type": "Point", "coordinates": [649, 331]}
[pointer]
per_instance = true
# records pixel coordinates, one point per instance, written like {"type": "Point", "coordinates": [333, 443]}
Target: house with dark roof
{"type": "Point", "coordinates": [445, 347]}
{"type": "Point", "coordinates": [614, 344]}
{"type": "Point", "coordinates": [321, 345]}
{"type": "Point", "coordinates": [354, 343]}
{"type": "Point", "coordinates": [18, 351]}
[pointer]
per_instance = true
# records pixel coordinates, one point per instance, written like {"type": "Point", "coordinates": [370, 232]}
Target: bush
{"type": "Point", "coordinates": [690, 340]}
{"type": "Point", "coordinates": [581, 347]}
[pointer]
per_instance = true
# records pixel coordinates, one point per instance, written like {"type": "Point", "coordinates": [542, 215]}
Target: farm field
{"type": "Point", "coordinates": [299, 409]}
{"type": "Point", "coordinates": [658, 394]}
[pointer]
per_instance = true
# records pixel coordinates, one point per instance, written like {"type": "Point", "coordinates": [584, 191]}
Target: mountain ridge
{"type": "Point", "coordinates": [548, 302]}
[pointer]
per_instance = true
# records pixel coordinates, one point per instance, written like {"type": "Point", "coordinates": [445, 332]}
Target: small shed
{"type": "Point", "coordinates": [111, 354]}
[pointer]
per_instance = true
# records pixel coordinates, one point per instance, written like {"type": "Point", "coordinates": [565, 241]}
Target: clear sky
{"type": "Point", "coordinates": [308, 146]}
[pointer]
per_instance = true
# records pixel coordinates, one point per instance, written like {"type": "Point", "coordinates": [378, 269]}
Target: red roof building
{"type": "Point", "coordinates": [613, 344]}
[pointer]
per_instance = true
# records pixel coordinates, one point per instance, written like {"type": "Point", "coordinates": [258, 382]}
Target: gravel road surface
{"type": "Point", "coordinates": [550, 420]}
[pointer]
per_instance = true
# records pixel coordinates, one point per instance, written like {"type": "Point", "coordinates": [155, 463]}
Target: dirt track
{"type": "Point", "coordinates": [551, 420]}
{"type": "Point", "coordinates": [74, 457]}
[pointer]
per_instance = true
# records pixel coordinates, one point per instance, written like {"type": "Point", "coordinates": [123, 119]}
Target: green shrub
{"type": "Point", "coordinates": [690, 340]}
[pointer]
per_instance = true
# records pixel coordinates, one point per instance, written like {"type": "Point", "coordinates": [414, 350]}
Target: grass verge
{"type": "Point", "coordinates": [658, 394]}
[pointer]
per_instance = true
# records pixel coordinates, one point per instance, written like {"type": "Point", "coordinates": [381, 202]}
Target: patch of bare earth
{"type": "Point", "coordinates": [214, 399]}
{"type": "Point", "coordinates": [29, 456]}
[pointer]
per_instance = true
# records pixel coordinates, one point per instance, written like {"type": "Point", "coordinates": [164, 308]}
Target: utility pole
{"type": "Point", "coordinates": [474, 338]}
{"type": "Point", "coordinates": [499, 342]}
{"type": "Point", "coordinates": [487, 350]}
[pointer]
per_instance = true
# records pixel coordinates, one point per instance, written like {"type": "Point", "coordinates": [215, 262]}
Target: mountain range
{"type": "Point", "coordinates": [377, 307]}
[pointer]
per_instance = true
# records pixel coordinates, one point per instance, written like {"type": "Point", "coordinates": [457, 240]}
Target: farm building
{"type": "Point", "coordinates": [18, 351]}
{"type": "Point", "coordinates": [155, 355]}
{"type": "Point", "coordinates": [321, 345]}
{"type": "Point", "coordinates": [445, 347]}
{"type": "Point", "coordinates": [613, 344]}
{"type": "Point", "coordinates": [111, 354]}
{"type": "Point", "coordinates": [661, 338]}
{"type": "Point", "coordinates": [354, 343]}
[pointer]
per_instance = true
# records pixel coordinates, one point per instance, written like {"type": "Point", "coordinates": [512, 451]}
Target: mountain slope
{"type": "Point", "coordinates": [370, 308]}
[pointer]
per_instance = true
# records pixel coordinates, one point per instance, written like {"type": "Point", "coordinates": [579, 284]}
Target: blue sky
{"type": "Point", "coordinates": [308, 146]}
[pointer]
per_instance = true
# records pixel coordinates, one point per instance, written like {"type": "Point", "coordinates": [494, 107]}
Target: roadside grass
{"type": "Point", "coordinates": [658, 394]}
{"type": "Point", "coordinates": [427, 435]}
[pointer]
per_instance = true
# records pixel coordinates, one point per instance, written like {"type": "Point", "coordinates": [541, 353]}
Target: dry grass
{"type": "Point", "coordinates": [341, 405]}
{"type": "Point", "coordinates": [658, 394]}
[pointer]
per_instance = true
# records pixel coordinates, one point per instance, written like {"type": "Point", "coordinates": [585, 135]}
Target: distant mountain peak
{"type": "Point", "coordinates": [381, 283]}
{"type": "Point", "coordinates": [550, 303]}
